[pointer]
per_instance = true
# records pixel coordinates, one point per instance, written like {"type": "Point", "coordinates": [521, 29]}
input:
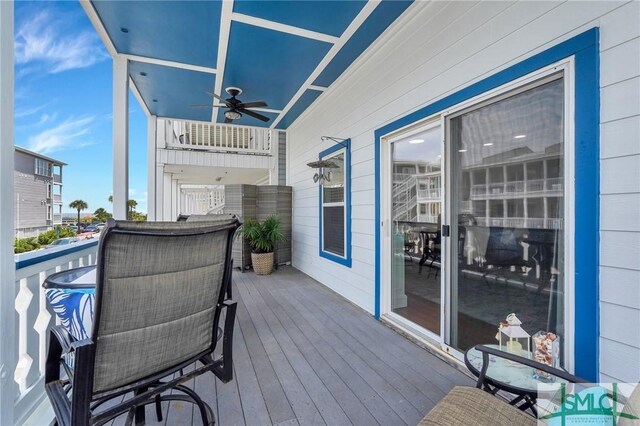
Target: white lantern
{"type": "Point", "coordinates": [512, 337]}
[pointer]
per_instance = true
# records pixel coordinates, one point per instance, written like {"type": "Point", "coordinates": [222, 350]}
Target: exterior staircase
{"type": "Point", "coordinates": [405, 202]}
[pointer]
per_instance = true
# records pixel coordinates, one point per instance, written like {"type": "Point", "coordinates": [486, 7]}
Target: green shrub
{"type": "Point", "coordinates": [22, 245]}
{"type": "Point", "coordinates": [51, 235]}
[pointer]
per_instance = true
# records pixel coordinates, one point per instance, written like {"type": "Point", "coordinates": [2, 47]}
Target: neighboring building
{"type": "Point", "coordinates": [38, 192]}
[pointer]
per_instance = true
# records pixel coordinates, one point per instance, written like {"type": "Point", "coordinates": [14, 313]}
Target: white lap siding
{"type": "Point", "coordinates": [437, 48]}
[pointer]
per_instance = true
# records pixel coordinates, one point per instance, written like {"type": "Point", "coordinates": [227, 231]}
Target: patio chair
{"type": "Point", "coordinates": [160, 293]}
{"type": "Point", "coordinates": [503, 252]}
{"type": "Point", "coordinates": [432, 243]}
{"type": "Point", "coordinates": [474, 406]}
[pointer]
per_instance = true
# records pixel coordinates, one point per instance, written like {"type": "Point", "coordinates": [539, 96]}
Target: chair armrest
{"type": "Point", "coordinates": [224, 370]}
{"type": "Point", "coordinates": [60, 343]}
{"type": "Point", "coordinates": [486, 351]}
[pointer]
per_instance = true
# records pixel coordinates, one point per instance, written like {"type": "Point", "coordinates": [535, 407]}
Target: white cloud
{"type": "Point", "coordinates": [71, 132]}
{"type": "Point", "coordinates": [47, 118]}
{"type": "Point", "coordinates": [46, 38]}
{"type": "Point", "coordinates": [25, 112]}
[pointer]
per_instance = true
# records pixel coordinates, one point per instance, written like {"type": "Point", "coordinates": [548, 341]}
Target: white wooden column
{"type": "Point", "coordinates": [152, 128]}
{"type": "Point", "coordinates": [166, 196]}
{"type": "Point", "coordinates": [175, 199]}
{"type": "Point", "coordinates": [9, 340]}
{"type": "Point", "coordinates": [120, 137]}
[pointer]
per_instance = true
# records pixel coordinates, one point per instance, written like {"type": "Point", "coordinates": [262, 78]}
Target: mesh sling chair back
{"type": "Point", "coordinates": [160, 292]}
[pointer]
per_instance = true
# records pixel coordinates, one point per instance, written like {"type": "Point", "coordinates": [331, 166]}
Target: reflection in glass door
{"type": "Point", "coordinates": [416, 215]}
{"type": "Point", "coordinates": [507, 213]}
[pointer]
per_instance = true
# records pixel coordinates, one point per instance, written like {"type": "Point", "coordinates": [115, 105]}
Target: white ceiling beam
{"type": "Point", "coordinates": [317, 88]}
{"type": "Point", "coordinates": [283, 28]}
{"type": "Point", "coordinates": [173, 64]}
{"type": "Point", "coordinates": [223, 44]}
{"type": "Point", "coordinates": [344, 38]}
{"type": "Point", "coordinates": [100, 29]}
{"type": "Point", "coordinates": [138, 96]}
{"type": "Point", "coordinates": [273, 111]}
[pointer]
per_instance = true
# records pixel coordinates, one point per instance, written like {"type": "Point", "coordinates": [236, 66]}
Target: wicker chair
{"type": "Point", "coordinates": [160, 293]}
{"type": "Point", "coordinates": [474, 406]}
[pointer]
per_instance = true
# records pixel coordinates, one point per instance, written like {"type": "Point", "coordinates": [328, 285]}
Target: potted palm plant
{"type": "Point", "coordinates": [262, 238]}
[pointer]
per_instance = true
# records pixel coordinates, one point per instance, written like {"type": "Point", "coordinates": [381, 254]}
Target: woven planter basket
{"type": "Point", "coordinates": [262, 263]}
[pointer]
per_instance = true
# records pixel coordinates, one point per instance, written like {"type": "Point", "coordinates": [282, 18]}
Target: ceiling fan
{"type": "Point", "coordinates": [235, 106]}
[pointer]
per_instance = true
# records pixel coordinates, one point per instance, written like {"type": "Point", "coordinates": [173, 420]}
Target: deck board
{"type": "Point", "coordinates": [348, 401]}
{"type": "Point", "coordinates": [303, 355]}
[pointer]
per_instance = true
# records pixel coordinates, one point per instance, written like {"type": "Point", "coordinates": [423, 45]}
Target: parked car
{"type": "Point", "coordinates": [63, 242]}
{"type": "Point", "coordinates": [101, 225]}
{"type": "Point", "coordinates": [92, 228]}
{"type": "Point", "coordinates": [74, 228]}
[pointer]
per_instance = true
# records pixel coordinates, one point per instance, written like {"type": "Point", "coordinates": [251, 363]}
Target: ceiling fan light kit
{"type": "Point", "coordinates": [236, 108]}
{"type": "Point", "coordinates": [232, 114]}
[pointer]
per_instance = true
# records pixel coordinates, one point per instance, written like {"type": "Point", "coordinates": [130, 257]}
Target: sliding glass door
{"type": "Point", "coordinates": [507, 183]}
{"type": "Point", "coordinates": [416, 207]}
{"type": "Point", "coordinates": [478, 226]}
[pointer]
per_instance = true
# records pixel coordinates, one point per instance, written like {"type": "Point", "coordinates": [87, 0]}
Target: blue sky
{"type": "Point", "coordinates": [63, 102]}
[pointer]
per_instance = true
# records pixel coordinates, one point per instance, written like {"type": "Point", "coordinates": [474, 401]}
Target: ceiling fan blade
{"type": "Point", "coordinates": [218, 97]}
{"type": "Point", "coordinates": [254, 114]}
{"type": "Point", "coordinates": [209, 106]}
{"type": "Point", "coordinates": [254, 104]}
{"type": "Point", "coordinates": [227, 120]}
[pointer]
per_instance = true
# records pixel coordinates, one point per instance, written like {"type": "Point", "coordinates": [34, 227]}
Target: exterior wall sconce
{"type": "Point", "coordinates": [323, 175]}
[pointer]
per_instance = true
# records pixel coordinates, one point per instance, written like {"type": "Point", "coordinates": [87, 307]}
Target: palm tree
{"type": "Point", "coordinates": [101, 214]}
{"type": "Point", "coordinates": [131, 204]}
{"type": "Point", "coordinates": [79, 205]}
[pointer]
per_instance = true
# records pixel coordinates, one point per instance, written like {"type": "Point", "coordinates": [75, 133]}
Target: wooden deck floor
{"type": "Point", "coordinates": [304, 355]}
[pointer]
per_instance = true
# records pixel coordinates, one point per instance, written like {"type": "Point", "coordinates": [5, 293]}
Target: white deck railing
{"type": "Point", "coordinates": [34, 318]}
{"type": "Point", "coordinates": [220, 138]}
{"type": "Point", "coordinates": [521, 222]}
{"type": "Point", "coordinates": [201, 199]}
{"type": "Point", "coordinates": [497, 190]}
{"type": "Point", "coordinates": [429, 194]}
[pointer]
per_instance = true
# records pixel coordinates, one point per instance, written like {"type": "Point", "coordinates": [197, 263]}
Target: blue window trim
{"type": "Point", "coordinates": [585, 50]}
{"type": "Point", "coordinates": [346, 261]}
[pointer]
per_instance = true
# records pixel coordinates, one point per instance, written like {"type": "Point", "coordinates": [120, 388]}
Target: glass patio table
{"type": "Point", "coordinates": [71, 295]}
{"type": "Point", "coordinates": [509, 376]}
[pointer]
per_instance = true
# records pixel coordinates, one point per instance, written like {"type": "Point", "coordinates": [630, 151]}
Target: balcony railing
{"type": "Point", "coordinates": [201, 199]}
{"type": "Point", "coordinates": [429, 194]}
{"type": "Point", "coordinates": [34, 317]}
{"type": "Point", "coordinates": [498, 190]}
{"type": "Point", "coordinates": [57, 199]}
{"type": "Point", "coordinates": [221, 138]}
{"type": "Point", "coordinates": [57, 178]}
{"type": "Point", "coordinates": [521, 222]}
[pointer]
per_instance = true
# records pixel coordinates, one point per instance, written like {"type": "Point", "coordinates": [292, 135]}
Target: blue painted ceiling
{"type": "Point", "coordinates": [272, 48]}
